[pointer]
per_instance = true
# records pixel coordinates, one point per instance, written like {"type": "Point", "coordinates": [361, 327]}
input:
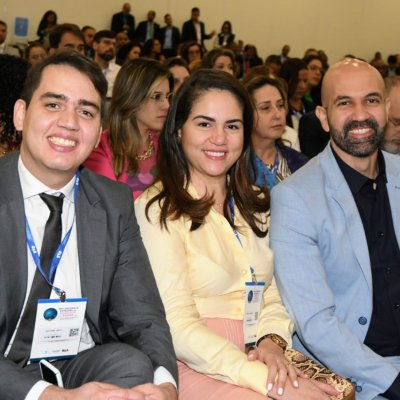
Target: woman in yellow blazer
{"type": "Point", "coordinates": [204, 226]}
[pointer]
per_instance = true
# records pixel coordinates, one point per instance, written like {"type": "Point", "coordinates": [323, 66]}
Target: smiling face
{"type": "Point", "coordinates": [355, 109]}
{"type": "Point", "coordinates": [153, 112]}
{"type": "Point", "coordinates": [61, 125]}
{"type": "Point", "coordinates": [212, 137]}
{"type": "Point", "coordinates": [269, 114]}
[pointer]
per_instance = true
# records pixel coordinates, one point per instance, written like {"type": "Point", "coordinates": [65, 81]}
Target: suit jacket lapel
{"type": "Point", "coordinates": [13, 264]}
{"type": "Point", "coordinates": [393, 188]}
{"type": "Point", "coordinates": [341, 193]}
{"type": "Point", "coordinates": [91, 234]}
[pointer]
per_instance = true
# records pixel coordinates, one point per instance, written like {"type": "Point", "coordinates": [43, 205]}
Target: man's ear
{"type": "Point", "coordinates": [19, 114]}
{"type": "Point", "coordinates": [321, 114]}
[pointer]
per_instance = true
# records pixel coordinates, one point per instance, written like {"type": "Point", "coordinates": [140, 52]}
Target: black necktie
{"type": "Point", "coordinates": [21, 347]}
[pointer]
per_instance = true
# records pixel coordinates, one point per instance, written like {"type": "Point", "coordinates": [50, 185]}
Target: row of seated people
{"type": "Point", "coordinates": [208, 128]}
{"type": "Point", "coordinates": [217, 172]}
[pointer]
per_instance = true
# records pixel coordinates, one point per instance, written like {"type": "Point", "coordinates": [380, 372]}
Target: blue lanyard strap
{"type": "Point", "coordinates": [276, 164]}
{"type": "Point", "coordinates": [232, 210]}
{"type": "Point", "coordinates": [60, 250]}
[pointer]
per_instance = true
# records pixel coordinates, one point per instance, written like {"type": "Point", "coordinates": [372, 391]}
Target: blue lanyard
{"type": "Point", "coordinates": [60, 250]}
{"type": "Point", "coordinates": [232, 210]}
{"type": "Point", "coordinates": [276, 164]}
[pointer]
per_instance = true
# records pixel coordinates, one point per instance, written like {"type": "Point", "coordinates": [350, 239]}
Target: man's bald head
{"type": "Point", "coordinates": [344, 70]}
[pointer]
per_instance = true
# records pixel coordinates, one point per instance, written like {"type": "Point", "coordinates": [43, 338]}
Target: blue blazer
{"type": "Point", "coordinates": [323, 269]}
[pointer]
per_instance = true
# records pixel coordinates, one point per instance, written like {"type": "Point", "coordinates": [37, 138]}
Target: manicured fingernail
{"type": "Point", "coordinates": [296, 384]}
{"type": "Point", "coordinates": [269, 388]}
{"type": "Point", "coordinates": [280, 391]}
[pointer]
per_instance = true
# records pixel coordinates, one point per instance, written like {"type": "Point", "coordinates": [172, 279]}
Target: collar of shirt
{"type": "Point", "coordinates": [355, 179]}
{"type": "Point", "coordinates": [31, 186]}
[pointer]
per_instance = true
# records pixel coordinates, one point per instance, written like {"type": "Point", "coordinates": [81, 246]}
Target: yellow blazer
{"type": "Point", "coordinates": [202, 274]}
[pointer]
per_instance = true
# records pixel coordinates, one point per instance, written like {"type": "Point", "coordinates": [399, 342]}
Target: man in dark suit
{"type": "Point", "coordinates": [148, 29]}
{"type": "Point", "coordinates": [194, 30]}
{"type": "Point", "coordinates": [170, 37]}
{"type": "Point", "coordinates": [124, 21]}
{"type": "Point", "coordinates": [124, 340]}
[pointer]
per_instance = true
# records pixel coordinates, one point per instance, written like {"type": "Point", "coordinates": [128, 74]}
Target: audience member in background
{"type": "Point", "coordinates": [192, 53]}
{"type": "Point", "coordinates": [104, 52]}
{"type": "Point", "coordinates": [391, 139]}
{"type": "Point", "coordinates": [130, 51]}
{"type": "Point", "coordinates": [310, 52]}
{"type": "Point", "coordinates": [121, 38]}
{"type": "Point", "coordinates": [170, 37]}
{"type": "Point", "coordinates": [273, 161]}
{"type": "Point", "coordinates": [6, 48]}
{"type": "Point", "coordinates": [295, 73]}
{"type": "Point", "coordinates": [148, 29]}
{"type": "Point", "coordinates": [124, 21]}
{"type": "Point", "coordinates": [220, 59]}
{"type": "Point", "coordinates": [194, 30]}
{"type": "Point", "coordinates": [392, 68]}
{"type": "Point", "coordinates": [34, 53]}
{"type": "Point", "coordinates": [179, 70]}
{"type": "Point", "coordinates": [381, 66]}
{"type": "Point", "coordinates": [152, 49]}
{"type": "Point", "coordinates": [285, 53]}
{"type": "Point", "coordinates": [324, 59]}
{"type": "Point", "coordinates": [13, 71]}
{"type": "Point", "coordinates": [66, 35]}
{"type": "Point", "coordinates": [46, 24]}
{"type": "Point", "coordinates": [273, 62]}
{"type": "Point", "coordinates": [315, 74]}
{"type": "Point", "coordinates": [250, 58]}
{"type": "Point", "coordinates": [225, 37]}
{"type": "Point", "coordinates": [138, 109]}
{"type": "Point", "coordinates": [204, 225]}
{"type": "Point", "coordinates": [88, 35]}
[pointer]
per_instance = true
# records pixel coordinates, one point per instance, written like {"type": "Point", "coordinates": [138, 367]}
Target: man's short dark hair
{"type": "Point", "coordinates": [70, 58]}
{"type": "Point", "coordinates": [58, 32]}
{"type": "Point", "coordinates": [86, 27]}
{"type": "Point", "coordinates": [103, 34]}
{"type": "Point", "coordinates": [3, 23]}
{"type": "Point", "coordinates": [195, 9]}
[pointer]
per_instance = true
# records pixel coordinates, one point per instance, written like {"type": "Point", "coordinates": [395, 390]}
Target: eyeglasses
{"type": "Point", "coordinates": [395, 121]}
{"type": "Point", "coordinates": [315, 68]}
{"type": "Point", "coordinates": [159, 97]}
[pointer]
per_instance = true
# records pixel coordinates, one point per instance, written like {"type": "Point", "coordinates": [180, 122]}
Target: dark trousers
{"type": "Point", "coordinates": [116, 363]}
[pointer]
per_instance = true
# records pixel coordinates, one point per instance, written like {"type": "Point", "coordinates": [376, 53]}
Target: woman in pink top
{"type": "Point", "coordinates": [138, 109]}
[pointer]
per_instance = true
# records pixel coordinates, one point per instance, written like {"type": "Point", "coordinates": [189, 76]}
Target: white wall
{"type": "Point", "coordinates": [360, 27]}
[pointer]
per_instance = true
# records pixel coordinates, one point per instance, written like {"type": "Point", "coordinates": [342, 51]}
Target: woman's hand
{"type": "Point", "coordinates": [308, 389]}
{"type": "Point", "coordinates": [279, 368]}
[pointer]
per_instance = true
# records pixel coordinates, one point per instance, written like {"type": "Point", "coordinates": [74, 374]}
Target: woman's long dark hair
{"type": "Point", "coordinates": [174, 199]}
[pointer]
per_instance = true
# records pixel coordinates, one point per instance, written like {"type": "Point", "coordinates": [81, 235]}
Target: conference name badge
{"type": "Point", "coordinates": [58, 328]}
{"type": "Point", "coordinates": [252, 308]}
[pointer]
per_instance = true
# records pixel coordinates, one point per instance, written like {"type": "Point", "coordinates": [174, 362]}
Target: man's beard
{"type": "Point", "coordinates": [358, 147]}
{"type": "Point", "coordinates": [107, 56]}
